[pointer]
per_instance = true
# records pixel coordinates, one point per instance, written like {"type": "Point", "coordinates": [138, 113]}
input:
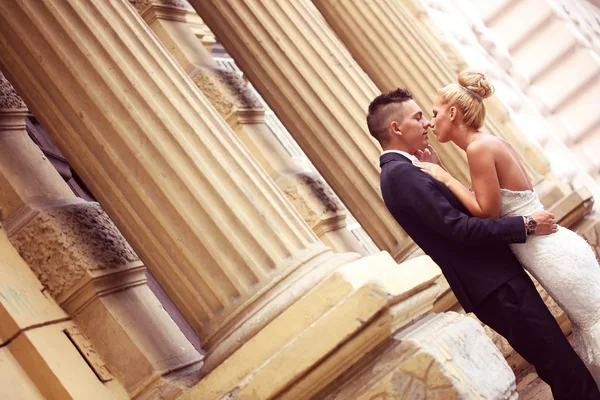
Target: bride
{"type": "Point", "coordinates": [562, 262]}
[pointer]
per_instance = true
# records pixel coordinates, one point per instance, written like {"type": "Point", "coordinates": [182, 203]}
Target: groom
{"type": "Point", "coordinates": [473, 254]}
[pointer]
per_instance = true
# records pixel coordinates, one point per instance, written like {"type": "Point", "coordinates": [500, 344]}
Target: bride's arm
{"type": "Point", "coordinates": [485, 202]}
{"type": "Point", "coordinates": [467, 198]}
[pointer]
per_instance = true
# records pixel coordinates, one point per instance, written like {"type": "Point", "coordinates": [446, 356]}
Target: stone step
{"type": "Point", "coordinates": [531, 387]}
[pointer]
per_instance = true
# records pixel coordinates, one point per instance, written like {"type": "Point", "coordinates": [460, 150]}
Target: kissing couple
{"type": "Point", "coordinates": [485, 237]}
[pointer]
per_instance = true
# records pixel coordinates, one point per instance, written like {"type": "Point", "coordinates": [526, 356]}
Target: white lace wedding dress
{"type": "Point", "coordinates": [566, 266]}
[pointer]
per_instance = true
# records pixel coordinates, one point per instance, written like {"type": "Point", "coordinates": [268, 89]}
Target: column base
{"type": "Point", "coordinates": [273, 300]}
{"type": "Point", "coordinates": [331, 328]}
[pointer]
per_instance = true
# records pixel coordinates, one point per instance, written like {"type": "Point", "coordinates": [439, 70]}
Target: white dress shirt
{"type": "Point", "coordinates": [413, 159]}
{"type": "Point", "coordinates": [405, 154]}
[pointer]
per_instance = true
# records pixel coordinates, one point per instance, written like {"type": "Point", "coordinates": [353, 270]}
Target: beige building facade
{"type": "Point", "coordinates": [191, 206]}
{"type": "Point", "coordinates": [543, 56]}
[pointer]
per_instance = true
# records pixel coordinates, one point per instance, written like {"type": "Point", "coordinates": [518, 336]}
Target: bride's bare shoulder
{"type": "Point", "coordinates": [485, 145]}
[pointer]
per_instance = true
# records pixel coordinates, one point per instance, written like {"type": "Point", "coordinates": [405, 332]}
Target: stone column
{"type": "Point", "coordinates": [393, 54]}
{"type": "Point", "coordinates": [208, 222]}
{"type": "Point", "coordinates": [240, 106]}
{"type": "Point", "coordinates": [318, 92]}
{"type": "Point", "coordinates": [85, 264]}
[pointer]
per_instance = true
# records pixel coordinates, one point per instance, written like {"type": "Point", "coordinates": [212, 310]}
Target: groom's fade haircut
{"type": "Point", "coordinates": [384, 109]}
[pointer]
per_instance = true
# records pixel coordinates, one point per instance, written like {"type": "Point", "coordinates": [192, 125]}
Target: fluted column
{"type": "Point", "coordinates": [238, 104]}
{"type": "Point", "coordinates": [203, 216]}
{"type": "Point", "coordinates": [318, 92]}
{"type": "Point", "coordinates": [400, 54]}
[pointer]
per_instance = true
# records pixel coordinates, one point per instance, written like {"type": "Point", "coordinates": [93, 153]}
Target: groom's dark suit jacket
{"type": "Point", "coordinates": [471, 252]}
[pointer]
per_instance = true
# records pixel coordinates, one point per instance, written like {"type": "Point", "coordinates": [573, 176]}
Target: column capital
{"type": "Point", "coordinates": [13, 109]}
{"type": "Point", "coordinates": [227, 91]}
{"type": "Point", "coordinates": [9, 99]}
{"type": "Point", "coordinates": [64, 239]}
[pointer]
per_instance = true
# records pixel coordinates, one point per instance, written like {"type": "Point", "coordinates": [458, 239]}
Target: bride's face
{"type": "Point", "coordinates": [441, 123]}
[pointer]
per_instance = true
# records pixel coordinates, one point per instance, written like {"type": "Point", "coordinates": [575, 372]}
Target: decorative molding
{"type": "Point", "coordinates": [312, 197]}
{"type": "Point", "coordinates": [227, 91]}
{"type": "Point", "coordinates": [100, 284]}
{"type": "Point", "coordinates": [9, 99]}
{"type": "Point", "coordinates": [62, 244]}
{"type": "Point", "coordinates": [142, 5]}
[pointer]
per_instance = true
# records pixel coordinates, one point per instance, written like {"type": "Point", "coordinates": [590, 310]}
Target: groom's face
{"type": "Point", "coordinates": [413, 127]}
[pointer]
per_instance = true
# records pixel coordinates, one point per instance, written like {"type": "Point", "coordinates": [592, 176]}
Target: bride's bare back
{"type": "Point", "coordinates": [509, 169]}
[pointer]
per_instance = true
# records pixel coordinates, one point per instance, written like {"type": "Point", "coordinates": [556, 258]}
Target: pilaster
{"type": "Point", "coordinates": [442, 356]}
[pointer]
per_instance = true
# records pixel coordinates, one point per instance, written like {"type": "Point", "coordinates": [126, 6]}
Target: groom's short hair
{"type": "Point", "coordinates": [383, 110]}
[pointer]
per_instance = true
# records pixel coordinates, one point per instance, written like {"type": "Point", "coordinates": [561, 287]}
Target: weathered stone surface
{"type": "Point", "coordinates": [444, 356]}
{"type": "Point", "coordinates": [243, 109]}
{"type": "Point", "coordinates": [9, 99]}
{"type": "Point", "coordinates": [227, 91]}
{"type": "Point", "coordinates": [531, 387]}
{"type": "Point", "coordinates": [311, 196]}
{"type": "Point", "coordinates": [61, 244]}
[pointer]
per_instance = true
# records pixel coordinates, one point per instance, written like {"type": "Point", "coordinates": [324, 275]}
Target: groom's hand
{"type": "Point", "coordinates": [545, 221]}
{"type": "Point", "coordinates": [428, 155]}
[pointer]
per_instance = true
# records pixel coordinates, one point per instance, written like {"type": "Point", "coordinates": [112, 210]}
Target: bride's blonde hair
{"type": "Point", "coordinates": [467, 95]}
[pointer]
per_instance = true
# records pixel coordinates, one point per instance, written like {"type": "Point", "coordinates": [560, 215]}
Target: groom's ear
{"type": "Point", "coordinates": [394, 128]}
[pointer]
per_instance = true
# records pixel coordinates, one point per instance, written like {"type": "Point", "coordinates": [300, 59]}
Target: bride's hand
{"type": "Point", "coordinates": [435, 170]}
{"type": "Point", "coordinates": [428, 155]}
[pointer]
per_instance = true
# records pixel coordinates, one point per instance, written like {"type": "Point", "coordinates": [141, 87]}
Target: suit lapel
{"type": "Point", "coordinates": [397, 157]}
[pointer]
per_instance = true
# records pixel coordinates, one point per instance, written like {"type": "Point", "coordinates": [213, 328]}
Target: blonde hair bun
{"type": "Point", "coordinates": [477, 82]}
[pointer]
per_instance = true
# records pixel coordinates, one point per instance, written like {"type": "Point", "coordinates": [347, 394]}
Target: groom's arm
{"type": "Point", "coordinates": [438, 214]}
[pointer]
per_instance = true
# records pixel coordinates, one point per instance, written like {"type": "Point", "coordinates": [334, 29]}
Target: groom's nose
{"type": "Point", "coordinates": [426, 123]}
